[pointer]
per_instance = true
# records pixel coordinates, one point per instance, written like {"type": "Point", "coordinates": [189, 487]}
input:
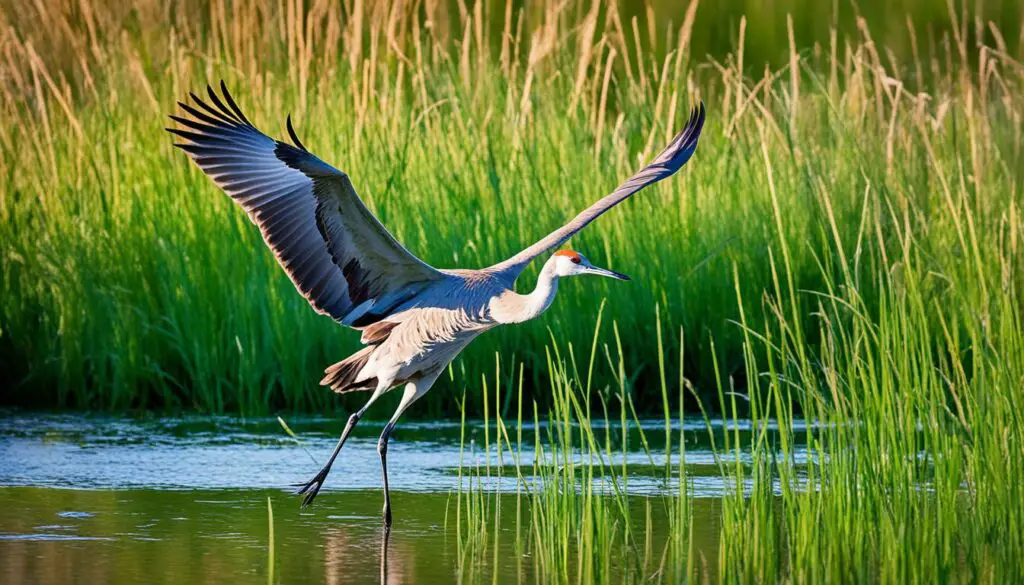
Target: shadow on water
{"type": "Point", "coordinates": [113, 500]}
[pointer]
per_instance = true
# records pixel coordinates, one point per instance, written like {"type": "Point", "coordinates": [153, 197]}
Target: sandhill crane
{"type": "Point", "coordinates": [414, 318]}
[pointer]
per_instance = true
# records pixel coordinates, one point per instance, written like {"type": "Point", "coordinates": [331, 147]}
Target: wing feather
{"type": "Point", "coordinates": [670, 160]}
{"type": "Point", "coordinates": [335, 251]}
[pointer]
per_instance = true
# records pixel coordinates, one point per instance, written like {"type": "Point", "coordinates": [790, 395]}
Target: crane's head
{"type": "Point", "coordinates": [571, 263]}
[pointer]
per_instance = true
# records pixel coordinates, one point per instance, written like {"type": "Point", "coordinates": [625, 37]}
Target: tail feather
{"type": "Point", "coordinates": [341, 377]}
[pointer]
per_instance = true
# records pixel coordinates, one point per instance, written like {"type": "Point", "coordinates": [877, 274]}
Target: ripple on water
{"type": "Point", "coordinates": [49, 536]}
{"type": "Point", "coordinates": [188, 497]}
{"type": "Point", "coordinates": [73, 514]}
{"type": "Point", "coordinates": [202, 453]}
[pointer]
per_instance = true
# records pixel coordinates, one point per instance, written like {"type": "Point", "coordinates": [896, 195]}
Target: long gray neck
{"type": "Point", "coordinates": [516, 308]}
{"type": "Point", "coordinates": [544, 293]}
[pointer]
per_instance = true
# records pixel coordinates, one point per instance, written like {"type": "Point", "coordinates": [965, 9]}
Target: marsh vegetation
{"type": "Point", "coordinates": [844, 249]}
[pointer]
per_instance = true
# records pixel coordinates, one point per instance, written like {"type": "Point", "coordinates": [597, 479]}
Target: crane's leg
{"type": "Point", "coordinates": [312, 487]}
{"type": "Point", "coordinates": [413, 391]}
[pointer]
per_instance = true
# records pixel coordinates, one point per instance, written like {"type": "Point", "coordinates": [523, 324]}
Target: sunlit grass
{"type": "Point", "coordinates": [844, 247]}
{"type": "Point", "coordinates": [128, 280]}
{"type": "Point", "coordinates": [906, 476]}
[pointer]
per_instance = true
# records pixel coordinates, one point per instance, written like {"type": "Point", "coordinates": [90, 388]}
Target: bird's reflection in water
{"type": "Point", "coordinates": [349, 558]}
{"type": "Point", "coordinates": [385, 542]}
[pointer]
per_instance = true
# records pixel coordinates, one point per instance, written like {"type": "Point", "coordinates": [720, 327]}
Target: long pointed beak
{"type": "Point", "coordinates": [608, 273]}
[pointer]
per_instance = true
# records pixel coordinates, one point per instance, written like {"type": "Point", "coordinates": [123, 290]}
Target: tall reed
{"type": "Point", "coordinates": [128, 281]}
{"type": "Point", "coordinates": [906, 472]}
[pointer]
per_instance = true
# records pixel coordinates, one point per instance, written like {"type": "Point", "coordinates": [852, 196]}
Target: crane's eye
{"type": "Point", "coordinates": [576, 259]}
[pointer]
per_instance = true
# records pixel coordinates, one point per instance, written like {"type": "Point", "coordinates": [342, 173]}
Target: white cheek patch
{"type": "Point", "coordinates": [566, 266]}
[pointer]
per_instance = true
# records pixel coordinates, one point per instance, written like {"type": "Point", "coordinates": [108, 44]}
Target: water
{"type": "Point", "coordinates": [184, 500]}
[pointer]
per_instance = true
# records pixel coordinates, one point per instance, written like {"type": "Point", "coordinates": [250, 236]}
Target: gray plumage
{"type": "Point", "coordinates": [414, 319]}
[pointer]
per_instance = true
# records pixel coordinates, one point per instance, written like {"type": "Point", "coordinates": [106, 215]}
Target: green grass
{"type": "Point", "coordinates": [129, 281]}
{"type": "Point", "coordinates": [907, 474]}
{"type": "Point", "coordinates": [844, 247]}
{"type": "Point", "coordinates": [891, 486]}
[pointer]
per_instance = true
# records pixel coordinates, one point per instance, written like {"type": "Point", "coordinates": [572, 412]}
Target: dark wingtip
{"type": "Point", "coordinates": [685, 141]}
{"type": "Point", "coordinates": [697, 117]}
{"type": "Point", "coordinates": [224, 110]}
{"type": "Point", "coordinates": [216, 112]}
{"type": "Point", "coordinates": [231, 103]}
{"type": "Point", "coordinates": [291, 133]}
{"type": "Point", "coordinates": [197, 101]}
{"type": "Point", "coordinates": [212, 94]}
{"type": "Point", "coordinates": [695, 124]}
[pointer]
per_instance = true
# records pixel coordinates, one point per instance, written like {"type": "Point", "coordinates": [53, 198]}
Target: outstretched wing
{"type": "Point", "coordinates": [339, 256]}
{"type": "Point", "coordinates": [664, 165]}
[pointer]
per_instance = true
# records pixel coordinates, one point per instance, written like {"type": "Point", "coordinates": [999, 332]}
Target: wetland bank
{"type": "Point", "coordinates": [817, 374]}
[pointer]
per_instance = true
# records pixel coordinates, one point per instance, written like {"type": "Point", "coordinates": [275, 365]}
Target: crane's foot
{"type": "Point", "coordinates": [312, 487]}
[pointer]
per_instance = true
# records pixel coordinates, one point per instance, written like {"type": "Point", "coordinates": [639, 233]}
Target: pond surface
{"type": "Point", "coordinates": [90, 499]}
